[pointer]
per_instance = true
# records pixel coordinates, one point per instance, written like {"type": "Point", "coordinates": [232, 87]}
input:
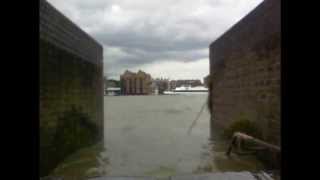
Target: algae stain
{"type": "Point", "coordinates": [84, 163]}
{"type": "Point", "coordinates": [237, 163]}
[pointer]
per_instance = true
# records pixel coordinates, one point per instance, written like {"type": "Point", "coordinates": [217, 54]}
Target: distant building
{"type": "Point", "coordinates": [113, 91]}
{"type": "Point", "coordinates": [154, 88]}
{"type": "Point", "coordinates": [206, 81]}
{"type": "Point", "coordinates": [105, 82]}
{"type": "Point", "coordinates": [179, 83]}
{"type": "Point", "coordinates": [195, 83]}
{"type": "Point", "coordinates": [135, 83]}
{"type": "Point", "coordinates": [111, 86]}
{"type": "Point", "coordinates": [161, 85]}
{"type": "Point", "coordinates": [113, 83]}
{"type": "Point", "coordinates": [172, 85]}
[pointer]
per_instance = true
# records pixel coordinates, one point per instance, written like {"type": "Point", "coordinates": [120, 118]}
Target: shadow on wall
{"type": "Point", "coordinates": [74, 131]}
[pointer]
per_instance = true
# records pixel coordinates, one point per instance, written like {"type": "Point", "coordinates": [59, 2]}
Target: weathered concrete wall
{"type": "Point", "coordinates": [245, 70]}
{"type": "Point", "coordinates": [71, 88]}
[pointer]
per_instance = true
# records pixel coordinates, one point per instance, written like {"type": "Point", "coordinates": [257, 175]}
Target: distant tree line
{"type": "Point", "coordinates": [111, 82]}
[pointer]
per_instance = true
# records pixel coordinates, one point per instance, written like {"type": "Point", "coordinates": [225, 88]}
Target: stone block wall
{"type": "Point", "coordinates": [71, 88]}
{"type": "Point", "coordinates": [245, 71]}
{"type": "Point", "coordinates": [62, 32]}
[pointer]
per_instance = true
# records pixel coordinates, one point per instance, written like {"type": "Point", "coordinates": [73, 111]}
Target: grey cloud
{"type": "Point", "coordinates": [149, 42]}
{"type": "Point", "coordinates": [139, 32]}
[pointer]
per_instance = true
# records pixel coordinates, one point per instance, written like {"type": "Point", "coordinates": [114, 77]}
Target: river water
{"type": "Point", "coordinates": [147, 135]}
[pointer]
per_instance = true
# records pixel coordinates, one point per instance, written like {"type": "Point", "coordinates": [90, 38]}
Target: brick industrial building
{"type": "Point", "coordinates": [135, 83]}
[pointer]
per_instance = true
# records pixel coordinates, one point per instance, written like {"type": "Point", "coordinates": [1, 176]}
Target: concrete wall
{"type": "Point", "coordinates": [245, 70]}
{"type": "Point", "coordinates": [71, 88]}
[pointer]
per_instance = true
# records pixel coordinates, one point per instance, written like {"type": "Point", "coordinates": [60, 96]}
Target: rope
{"type": "Point", "coordinates": [194, 121]}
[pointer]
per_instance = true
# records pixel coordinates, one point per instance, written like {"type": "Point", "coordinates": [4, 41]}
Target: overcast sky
{"type": "Point", "coordinates": [166, 38]}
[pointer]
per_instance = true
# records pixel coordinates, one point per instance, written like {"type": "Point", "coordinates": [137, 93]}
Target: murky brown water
{"type": "Point", "coordinates": [147, 135]}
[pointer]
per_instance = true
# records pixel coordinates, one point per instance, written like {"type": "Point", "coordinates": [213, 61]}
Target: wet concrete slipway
{"type": "Point", "coordinates": [146, 138]}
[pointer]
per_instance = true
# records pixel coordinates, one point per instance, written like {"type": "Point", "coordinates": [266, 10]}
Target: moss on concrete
{"type": "Point", "coordinates": [74, 131]}
{"type": "Point", "coordinates": [243, 124]}
{"type": "Point", "coordinates": [81, 164]}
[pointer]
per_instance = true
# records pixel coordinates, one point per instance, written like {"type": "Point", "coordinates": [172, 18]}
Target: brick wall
{"type": "Point", "coordinates": [71, 81]}
{"type": "Point", "coordinates": [245, 70]}
{"type": "Point", "coordinates": [62, 32]}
